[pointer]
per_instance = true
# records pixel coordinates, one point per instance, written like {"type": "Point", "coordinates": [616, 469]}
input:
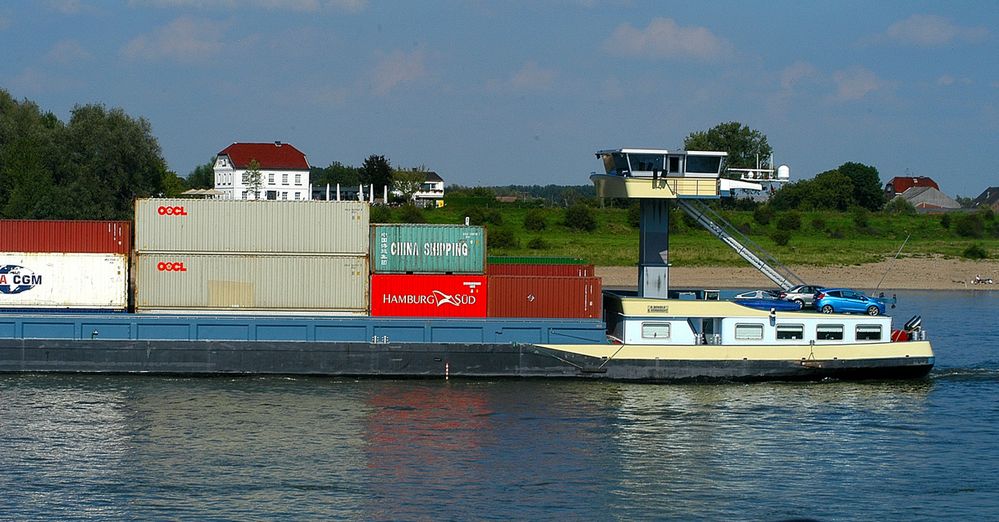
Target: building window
{"type": "Point", "coordinates": [655, 330]}
{"type": "Point", "coordinates": [284, 195]}
{"type": "Point", "coordinates": [749, 332]}
{"type": "Point", "coordinates": [244, 194]}
{"type": "Point", "coordinates": [270, 178]}
{"type": "Point", "coordinates": [869, 332]}
{"type": "Point", "coordinates": [298, 179]}
{"type": "Point", "coordinates": [284, 179]}
{"type": "Point", "coordinates": [787, 332]}
{"type": "Point", "coordinates": [829, 332]}
{"type": "Point", "coordinates": [298, 195]}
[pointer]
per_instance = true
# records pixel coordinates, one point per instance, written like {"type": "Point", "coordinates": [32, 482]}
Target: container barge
{"type": "Point", "coordinates": [311, 288]}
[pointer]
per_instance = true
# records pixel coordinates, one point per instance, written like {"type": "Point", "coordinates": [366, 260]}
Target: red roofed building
{"type": "Point", "coordinates": [900, 184]}
{"type": "Point", "coordinates": [284, 172]}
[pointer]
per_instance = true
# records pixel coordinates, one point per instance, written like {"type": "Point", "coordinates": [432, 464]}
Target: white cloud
{"type": "Point", "coordinates": [397, 68]}
{"type": "Point", "coordinates": [796, 73]}
{"type": "Point", "coordinates": [532, 77]}
{"type": "Point", "coordinates": [185, 40]}
{"type": "Point", "coordinates": [273, 5]}
{"type": "Point", "coordinates": [856, 83]}
{"type": "Point", "coordinates": [948, 80]}
{"type": "Point", "coordinates": [663, 38]}
{"type": "Point", "coordinates": [931, 31]}
{"type": "Point", "coordinates": [66, 7]}
{"type": "Point", "coordinates": [68, 52]}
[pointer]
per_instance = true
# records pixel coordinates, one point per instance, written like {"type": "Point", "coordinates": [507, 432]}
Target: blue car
{"type": "Point", "coordinates": [840, 300]}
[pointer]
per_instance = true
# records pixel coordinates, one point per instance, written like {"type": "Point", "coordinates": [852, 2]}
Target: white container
{"type": "Point", "coordinates": [251, 282]}
{"type": "Point", "coordinates": [251, 227]}
{"type": "Point", "coordinates": [63, 281]}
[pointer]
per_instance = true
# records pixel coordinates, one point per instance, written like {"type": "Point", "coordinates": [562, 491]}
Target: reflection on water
{"type": "Point", "coordinates": [120, 447]}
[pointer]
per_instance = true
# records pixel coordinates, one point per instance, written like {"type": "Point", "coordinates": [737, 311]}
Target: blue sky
{"type": "Point", "coordinates": [523, 92]}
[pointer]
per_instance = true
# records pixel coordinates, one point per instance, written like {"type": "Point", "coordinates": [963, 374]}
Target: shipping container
{"type": "Point", "coordinates": [63, 281]}
{"type": "Point", "coordinates": [515, 269]}
{"type": "Point", "coordinates": [440, 249]}
{"type": "Point", "coordinates": [251, 282]}
{"type": "Point", "coordinates": [237, 226]}
{"type": "Point", "coordinates": [63, 236]}
{"type": "Point", "coordinates": [561, 297]}
{"type": "Point", "coordinates": [528, 260]}
{"type": "Point", "coordinates": [428, 295]}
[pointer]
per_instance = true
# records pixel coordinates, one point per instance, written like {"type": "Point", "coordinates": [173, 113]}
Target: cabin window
{"type": "Point", "coordinates": [703, 164]}
{"type": "Point", "coordinates": [829, 332]}
{"type": "Point", "coordinates": [674, 164]}
{"type": "Point", "coordinates": [790, 331]}
{"type": "Point", "coordinates": [869, 332]}
{"type": "Point", "coordinates": [646, 162]}
{"type": "Point", "coordinates": [655, 330]}
{"type": "Point", "coordinates": [749, 332]}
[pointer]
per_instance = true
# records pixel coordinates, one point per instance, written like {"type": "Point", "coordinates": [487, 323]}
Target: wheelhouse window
{"type": "Point", "coordinates": [749, 332]}
{"type": "Point", "coordinates": [787, 332]}
{"type": "Point", "coordinates": [655, 330]}
{"type": "Point", "coordinates": [646, 162]}
{"type": "Point", "coordinates": [703, 164]}
{"type": "Point", "coordinates": [829, 332]}
{"type": "Point", "coordinates": [615, 164]}
{"type": "Point", "coordinates": [869, 332]}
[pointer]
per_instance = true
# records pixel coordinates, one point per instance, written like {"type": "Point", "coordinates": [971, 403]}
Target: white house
{"type": "Point", "coordinates": [284, 171]}
{"type": "Point", "coordinates": [431, 193]}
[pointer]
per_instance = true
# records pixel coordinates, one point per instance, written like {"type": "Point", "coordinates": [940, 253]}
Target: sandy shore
{"type": "Point", "coordinates": [905, 274]}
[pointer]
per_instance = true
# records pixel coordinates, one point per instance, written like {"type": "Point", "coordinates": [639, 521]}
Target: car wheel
{"type": "Point", "coordinates": [801, 304]}
{"type": "Point", "coordinates": [873, 310]}
{"type": "Point", "coordinates": [827, 309]}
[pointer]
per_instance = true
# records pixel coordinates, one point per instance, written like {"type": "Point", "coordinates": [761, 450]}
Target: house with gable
{"type": "Point", "coordinates": [431, 193]}
{"type": "Point", "coordinates": [284, 172]}
{"type": "Point", "coordinates": [899, 184]}
{"type": "Point", "coordinates": [989, 198]}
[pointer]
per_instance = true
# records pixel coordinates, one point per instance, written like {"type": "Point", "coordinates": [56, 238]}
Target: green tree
{"type": "Point", "coordinates": [408, 182]}
{"type": "Point", "coordinates": [867, 190]}
{"type": "Point", "coordinates": [744, 146]}
{"type": "Point", "coordinates": [534, 220]}
{"type": "Point", "coordinates": [376, 171]}
{"type": "Point", "coordinates": [335, 173]}
{"type": "Point", "coordinates": [253, 178]}
{"type": "Point", "coordinates": [27, 140]}
{"type": "Point", "coordinates": [173, 185]}
{"type": "Point", "coordinates": [202, 177]}
{"type": "Point", "coordinates": [580, 217]}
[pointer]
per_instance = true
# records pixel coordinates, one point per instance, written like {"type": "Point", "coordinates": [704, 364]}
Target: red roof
{"type": "Point", "coordinates": [900, 184]}
{"type": "Point", "coordinates": [274, 156]}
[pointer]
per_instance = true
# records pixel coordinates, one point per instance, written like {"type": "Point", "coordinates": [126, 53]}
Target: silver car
{"type": "Point", "coordinates": [802, 294]}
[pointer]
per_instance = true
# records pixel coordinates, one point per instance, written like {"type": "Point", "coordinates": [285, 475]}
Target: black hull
{"type": "Point", "coordinates": [417, 360]}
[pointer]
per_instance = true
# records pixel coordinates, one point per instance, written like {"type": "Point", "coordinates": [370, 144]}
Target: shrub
{"type": "Point", "coordinates": [861, 217]}
{"type": "Point", "coordinates": [538, 243]}
{"type": "Point", "coordinates": [975, 251]}
{"type": "Point", "coordinates": [535, 220]}
{"type": "Point", "coordinates": [502, 238]}
{"type": "Point", "coordinates": [412, 214]}
{"type": "Point", "coordinates": [789, 220]}
{"type": "Point", "coordinates": [763, 214]}
{"type": "Point", "coordinates": [818, 223]}
{"type": "Point", "coordinates": [580, 217]}
{"type": "Point", "coordinates": [745, 228]}
{"type": "Point", "coordinates": [901, 207]}
{"type": "Point", "coordinates": [945, 220]}
{"type": "Point", "coordinates": [380, 214]}
{"type": "Point", "coordinates": [969, 225]}
{"type": "Point", "coordinates": [837, 233]}
{"type": "Point", "coordinates": [781, 236]}
{"type": "Point", "coordinates": [635, 215]}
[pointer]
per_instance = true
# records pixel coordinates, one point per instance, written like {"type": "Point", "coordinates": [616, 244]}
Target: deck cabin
{"type": "Point", "coordinates": [658, 173]}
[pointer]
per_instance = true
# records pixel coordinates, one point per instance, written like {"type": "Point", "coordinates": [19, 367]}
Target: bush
{"type": "Point", "coordinates": [789, 220]}
{"type": "Point", "coordinates": [538, 243]}
{"type": "Point", "coordinates": [781, 236]}
{"type": "Point", "coordinates": [901, 207]}
{"type": "Point", "coordinates": [975, 251]}
{"type": "Point", "coordinates": [969, 225]}
{"type": "Point", "coordinates": [635, 215]}
{"type": "Point", "coordinates": [818, 224]}
{"type": "Point", "coordinates": [535, 220]}
{"type": "Point", "coordinates": [412, 214]}
{"type": "Point", "coordinates": [580, 217]}
{"type": "Point", "coordinates": [763, 214]}
{"type": "Point", "coordinates": [836, 233]}
{"type": "Point", "coordinates": [484, 216]}
{"type": "Point", "coordinates": [502, 238]}
{"type": "Point", "coordinates": [945, 220]}
{"type": "Point", "coordinates": [745, 228]}
{"type": "Point", "coordinates": [380, 214]}
{"type": "Point", "coordinates": [861, 217]}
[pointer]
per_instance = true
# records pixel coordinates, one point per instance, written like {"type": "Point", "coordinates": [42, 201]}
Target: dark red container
{"type": "Point", "coordinates": [428, 295]}
{"type": "Point", "coordinates": [77, 237]}
{"type": "Point", "coordinates": [528, 296]}
{"type": "Point", "coordinates": [540, 270]}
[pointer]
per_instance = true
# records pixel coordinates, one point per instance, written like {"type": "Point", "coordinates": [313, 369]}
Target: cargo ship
{"type": "Point", "coordinates": [313, 288]}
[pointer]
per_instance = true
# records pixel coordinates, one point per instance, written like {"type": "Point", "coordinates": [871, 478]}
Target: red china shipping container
{"type": "Point", "coordinates": [562, 297]}
{"type": "Point", "coordinates": [539, 270]}
{"type": "Point", "coordinates": [77, 237]}
{"type": "Point", "coordinates": [425, 295]}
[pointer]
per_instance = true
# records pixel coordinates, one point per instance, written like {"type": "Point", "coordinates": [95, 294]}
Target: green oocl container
{"type": "Point", "coordinates": [427, 249]}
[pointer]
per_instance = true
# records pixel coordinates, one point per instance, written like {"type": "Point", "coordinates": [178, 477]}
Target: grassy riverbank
{"type": "Point", "coordinates": [821, 239]}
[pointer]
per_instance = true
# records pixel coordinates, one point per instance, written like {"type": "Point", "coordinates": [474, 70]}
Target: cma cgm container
{"type": "Point", "coordinates": [562, 297]}
{"type": "Point", "coordinates": [251, 282]}
{"type": "Point", "coordinates": [238, 226]}
{"type": "Point", "coordinates": [516, 269]}
{"type": "Point", "coordinates": [63, 281]}
{"type": "Point", "coordinates": [97, 237]}
{"type": "Point", "coordinates": [428, 295]}
{"type": "Point", "coordinates": [440, 249]}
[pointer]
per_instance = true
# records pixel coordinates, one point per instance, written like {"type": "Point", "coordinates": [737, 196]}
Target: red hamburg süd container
{"type": "Point", "coordinates": [65, 236]}
{"type": "Point", "coordinates": [540, 270]}
{"type": "Point", "coordinates": [428, 295]}
{"type": "Point", "coordinates": [562, 297]}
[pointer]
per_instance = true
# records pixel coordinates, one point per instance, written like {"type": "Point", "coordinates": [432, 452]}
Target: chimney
{"type": "Point", "coordinates": [277, 143]}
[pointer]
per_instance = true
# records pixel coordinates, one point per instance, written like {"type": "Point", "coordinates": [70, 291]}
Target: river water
{"type": "Point", "coordinates": [139, 447]}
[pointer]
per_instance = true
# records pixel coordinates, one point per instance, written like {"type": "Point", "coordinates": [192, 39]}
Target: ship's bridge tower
{"type": "Point", "coordinates": [654, 177]}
